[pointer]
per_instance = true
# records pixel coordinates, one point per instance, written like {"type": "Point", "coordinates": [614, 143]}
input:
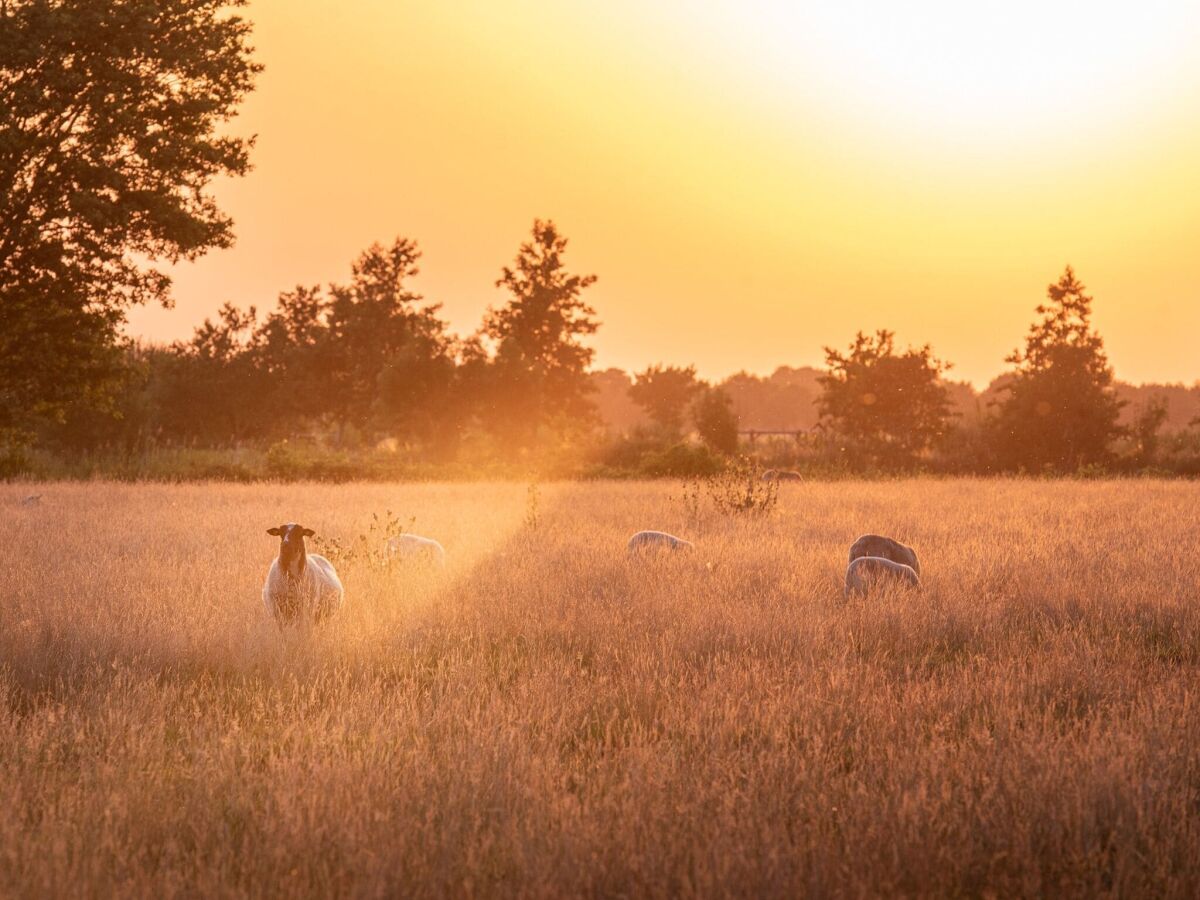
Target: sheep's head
{"type": "Point", "coordinates": [291, 541]}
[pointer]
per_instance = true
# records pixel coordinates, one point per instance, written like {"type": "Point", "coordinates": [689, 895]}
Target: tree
{"type": "Point", "coordinates": [887, 407]}
{"type": "Point", "coordinates": [1061, 409]}
{"type": "Point", "coordinates": [1146, 427]}
{"type": "Point", "coordinates": [292, 345]}
{"type": "Point", "coordinates": [109, 117]}
{"type": "Point", "coordinates": [216, 389]}
{"type": "Point", "coordinates": [377, 327]}
{"type": "Point", "coordinates": [538, 374]}
{"type": "Point", "coordinates": [715, 420]}
{"type": "Point", "coordinates": [665, 392]}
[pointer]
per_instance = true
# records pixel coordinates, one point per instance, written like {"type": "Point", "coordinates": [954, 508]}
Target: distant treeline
{"type": "Point", "coordinates": [114, 126]}
{"type": "Point", "coordinates": [364, 379]}
{"type": "Point", "coordinates": [786, 400]}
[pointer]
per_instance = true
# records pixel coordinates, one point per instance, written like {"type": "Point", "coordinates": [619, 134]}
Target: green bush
{"type": "Point", "coordinates": [682, 461]}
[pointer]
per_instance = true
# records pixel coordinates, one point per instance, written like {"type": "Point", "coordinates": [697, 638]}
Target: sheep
{"type": "Point", "coordinates": [410, 545]}
{"type": "Point", "coordinates": [656, 540]}
{"type": "Point", "coordinates": [877, 545]}
{"type": "Point", "coordinates": [299, 584]}
{"type": "Point", "coordinates": [866, 572]}
{"type": "Point", "coordinates": [781, 475]}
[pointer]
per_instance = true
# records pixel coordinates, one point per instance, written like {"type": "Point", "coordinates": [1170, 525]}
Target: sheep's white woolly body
{"type": "Point", "coordinates": [656, 540]}
{"type": "Point", "coordinates": [300, 585]}
{"type": "Point", "coordinates": [885, 548]}
{"type": "Point", "coordinates": [316, 594]}
{"type": "Point", "coordinates": [868, 571]}
{"type": "Point", "coordinates": [412, 545]}
{"type": "Point", "coordinates": [781, 475]}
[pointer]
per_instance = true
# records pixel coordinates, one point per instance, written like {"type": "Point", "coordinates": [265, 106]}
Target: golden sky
{"type": "Point", "coordinates": [751, 179]}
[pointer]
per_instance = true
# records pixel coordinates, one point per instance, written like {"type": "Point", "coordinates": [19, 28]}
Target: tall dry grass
{"type": "Point", "coordinates": [546, 717]}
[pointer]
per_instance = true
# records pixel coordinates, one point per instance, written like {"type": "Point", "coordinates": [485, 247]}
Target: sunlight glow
{"type": "Point", "coordinates": [991, 71]}
{"type": "Point", "coordinates": [924, 166]}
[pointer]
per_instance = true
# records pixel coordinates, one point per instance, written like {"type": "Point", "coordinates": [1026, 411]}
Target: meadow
{"type": "Point", "coordinates": [546, 717]}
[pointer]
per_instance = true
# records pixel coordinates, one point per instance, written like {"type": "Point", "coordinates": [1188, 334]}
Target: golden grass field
{"type": "Point", "coordinates": [548, 718]}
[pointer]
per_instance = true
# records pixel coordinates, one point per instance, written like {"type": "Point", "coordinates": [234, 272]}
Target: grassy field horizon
{"type": "Point", "coordinates": [547, 717]}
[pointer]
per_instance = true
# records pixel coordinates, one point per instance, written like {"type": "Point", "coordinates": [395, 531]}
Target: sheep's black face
{"type": "Point", "coordinates": [291, 540]}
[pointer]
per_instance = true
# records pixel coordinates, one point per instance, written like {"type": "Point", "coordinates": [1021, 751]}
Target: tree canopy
{"type": "Point", "coordinates": [538, 374]}
{"type": "Point", "coordinates": [1061, 411]}
{"type": "Point", "coordinates": [887, 407]}
{"type": "Point", "coordinates": [665, 393]}
{"type": "Point", "coordinates": [110, 135]}
{"type": "Point", "coordinates": [715, 420]}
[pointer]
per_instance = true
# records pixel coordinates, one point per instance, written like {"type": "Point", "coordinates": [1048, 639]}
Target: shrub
{"type": "Point", "coordinates": [682, 461]}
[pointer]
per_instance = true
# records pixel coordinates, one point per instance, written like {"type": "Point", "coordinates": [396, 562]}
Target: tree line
{"type": "Point", "coordinates": [369, 362]}
{"type": "Point", "coordinates": [114, 123]}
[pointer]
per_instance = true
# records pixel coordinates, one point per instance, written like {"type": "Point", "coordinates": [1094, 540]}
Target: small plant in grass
{"type": "Point", "coordinates": [369, 547]}
{"type": "Point", "coordinates": [533, 498]}
{"type": "Point", "coordinates": [739, 490]}
{"type": "Point", "coordinates": [691, 492]}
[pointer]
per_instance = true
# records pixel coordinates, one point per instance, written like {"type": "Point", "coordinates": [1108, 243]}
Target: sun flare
{"type": "Point", "coordinates": [991, 72]}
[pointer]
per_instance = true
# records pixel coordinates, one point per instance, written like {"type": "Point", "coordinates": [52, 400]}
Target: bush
{"type": "Point", "coordinates": [682, 461]}
{"type": "Point", "coordinates": [294, 462]}
{"type": "Point", "coordinates": [741, 490]}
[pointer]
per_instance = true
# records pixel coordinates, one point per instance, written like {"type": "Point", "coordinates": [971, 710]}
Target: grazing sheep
{"type": "Point", "coordinates": [781, 475]}
{"type": "Point", "coordinates": [409, 546]}
{"type": "Point", "coordinates": [656, 540]}
{"type": "Point", "coordinates": [877, 545]}
{"type": "Point", "coordinates": [866, 572]}
{"type": "Point", "coordinates": [300, 585]}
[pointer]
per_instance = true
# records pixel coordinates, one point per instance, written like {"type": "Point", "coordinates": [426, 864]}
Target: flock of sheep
{"type": "Point", "coordinates": [305, 586]}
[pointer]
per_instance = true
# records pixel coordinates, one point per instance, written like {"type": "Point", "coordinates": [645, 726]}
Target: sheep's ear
{"type": "Point", "coordinates": [275, 531]}
{"type": "Point", "coordinates": [307, 532]}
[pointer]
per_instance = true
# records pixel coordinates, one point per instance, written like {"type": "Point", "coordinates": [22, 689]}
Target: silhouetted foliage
{"type": "Point", "coordinates": [665, 393]}
{"type": "Point", "coordinates": [616, 409]}
{"type": "Point", "coordinates": [1145, 430]}
{"type": "Point", "coordinates": [537, 376]}
{"type": "Point", "coordinates": [216, 388]}
{"type": "Point", "coordinates": [715, 420]}
{"type": "Point", "coordinates": [1060, 411]}
{"type": "Point", "coordinates": [784, 400]}
{"type": "Point", "coordinates": [380, 337]}
{"type": "Point", "coordinates": [886, 407]}
{"type": "Point", "coordinates": [109, 119]}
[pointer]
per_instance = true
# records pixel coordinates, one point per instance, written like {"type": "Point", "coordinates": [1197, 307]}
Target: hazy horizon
{"type": "Point", "coordinates": [749, 186]}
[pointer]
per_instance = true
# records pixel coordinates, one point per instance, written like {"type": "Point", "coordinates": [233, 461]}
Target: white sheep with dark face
{"type": "Point", "coordinates": [413, 546]}
{"type": "Point", "coordinates": [886, 548]}
{"type": "Point", "coordinates": [869, 572]}
{"type": "Point", "coordinates": [300, 586]}
{"type": "Point", "coordinates": [781, 475]}
{"type": "Point", "coordinates": [656, 540]}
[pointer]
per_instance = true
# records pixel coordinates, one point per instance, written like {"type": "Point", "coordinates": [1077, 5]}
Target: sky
{"type": "Point", "coordinates": [752, 180]}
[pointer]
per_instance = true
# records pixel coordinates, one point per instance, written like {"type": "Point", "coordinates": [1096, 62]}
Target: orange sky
{"type": "Point", "coordinates": [751, 180]}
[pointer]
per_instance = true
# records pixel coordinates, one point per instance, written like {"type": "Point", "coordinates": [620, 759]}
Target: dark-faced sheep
{"type": "Point", "coordinates": [413, 546]}
{"type": "Point", "coordinates": [781, 475]}
{"type": "Point", "coordinates": [656, 540]}
{"type": "Point", "coordinates": [300, 585]}
{"type": "Point", "coordinates": [867, 572]}
{"type": "Point", "coordinates": [885, 547]}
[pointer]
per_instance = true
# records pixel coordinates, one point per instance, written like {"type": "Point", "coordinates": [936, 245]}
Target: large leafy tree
{"type": "Point", "coordinates": [381, 332]}
{"type": "Point", "coordinates": [1061, 409]}
{"type": "Point", "coordinates": [215, 388]}
{"type": "Point", "coordinates": [110, 136]}
{"type": "Point", "coordinates": [887, 407]}
{"type": "Point", "coordinates": [368, 353]}
{"type": "Point", "coordinates": [538, 375]}
{"type": "Point", "coordinates": [715, 420]}
{"type": "Point", "coordinates": [664, 393]}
